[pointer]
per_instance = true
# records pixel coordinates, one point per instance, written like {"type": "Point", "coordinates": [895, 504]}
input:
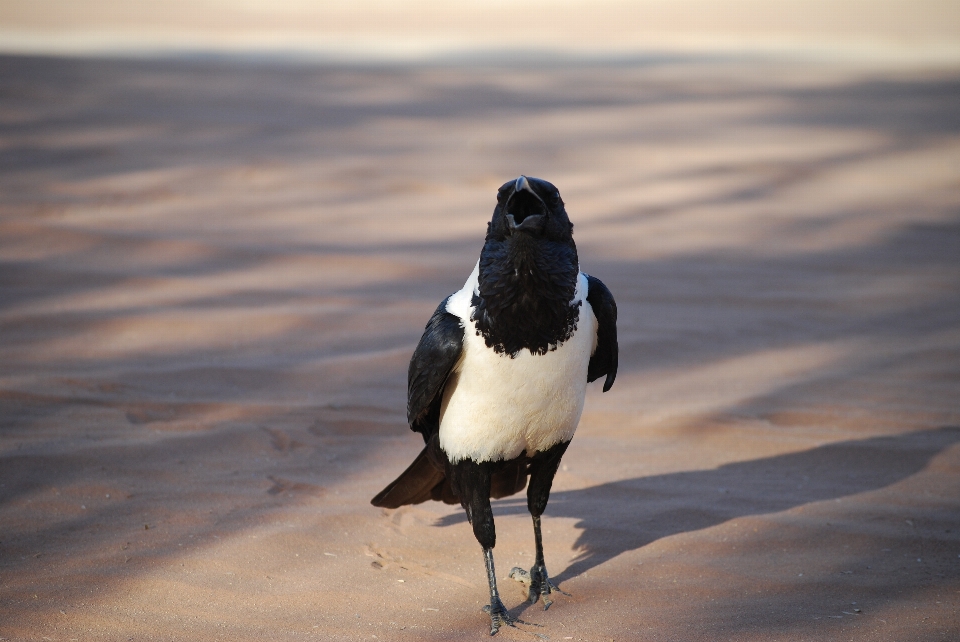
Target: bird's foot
{"type": "Point", "coordinates": [499, 616]}
{"type": "Point", "coordinates": [538, 584]}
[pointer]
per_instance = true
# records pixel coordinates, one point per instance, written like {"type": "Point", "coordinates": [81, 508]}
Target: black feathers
{"type": "Point", "coordinates": [605, 357]}
{"type": "Point", "coordinates": [431, 364]}
{"type": "Point", "coordinates": [421, 481]}
{"type": "Point", "coordinates": [528, 272]}
{"type": "Point", "coordinates": [431, 476]}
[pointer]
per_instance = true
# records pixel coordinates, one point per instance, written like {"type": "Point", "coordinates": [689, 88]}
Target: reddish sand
{"type": "Point", "coordinates": [212, 275]}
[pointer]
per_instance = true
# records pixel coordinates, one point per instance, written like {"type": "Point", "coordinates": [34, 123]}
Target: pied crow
{"type": "Point", "coordinates": [497, 383]}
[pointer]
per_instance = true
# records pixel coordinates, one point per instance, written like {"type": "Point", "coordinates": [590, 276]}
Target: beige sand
{"type": "Point", "coordinates": [901, 32]}
{"type": "Point", "coordinates": [212, 276]}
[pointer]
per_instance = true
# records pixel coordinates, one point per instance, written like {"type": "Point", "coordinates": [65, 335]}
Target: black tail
{"type": "Point", "coordinates": [418, 483]}
{"type": "Point", "coordinates": [510, 478]}
{"type": "Point", "coordinates": [422, 480]}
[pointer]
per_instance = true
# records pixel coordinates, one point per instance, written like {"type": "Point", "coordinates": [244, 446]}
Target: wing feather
{"type": "Point", "coordinates": [432, 362]}
{"type": "Point", "coordinates": [605, 357]}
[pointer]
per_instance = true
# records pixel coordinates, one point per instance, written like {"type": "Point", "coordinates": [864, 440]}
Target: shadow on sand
{"type": "Point", "coordinates": [626, 515]}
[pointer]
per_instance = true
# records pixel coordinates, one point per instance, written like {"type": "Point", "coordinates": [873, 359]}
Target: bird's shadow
{"type": "Point", "coordinates": [625, 515]}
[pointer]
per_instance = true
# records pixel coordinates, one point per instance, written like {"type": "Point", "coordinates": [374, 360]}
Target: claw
{"type": "Point", "coordinates": [520, 575]}
{"type": "Point", "coordinates": [499, 617]}
{"type": "Point", "coordinates": [538, 584]}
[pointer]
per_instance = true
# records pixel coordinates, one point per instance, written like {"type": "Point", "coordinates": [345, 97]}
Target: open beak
{"type": "Point", "coordinates": [525, 206]}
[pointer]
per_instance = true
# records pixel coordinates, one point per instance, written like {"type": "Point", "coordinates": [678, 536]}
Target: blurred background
{"type": "Point", "coordinates": [878, 30]}
{"type": "Point", "coordinates": [223, 226]}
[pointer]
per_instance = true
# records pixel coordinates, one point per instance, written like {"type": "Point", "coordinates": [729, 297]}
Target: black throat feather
{"type": "Point", "coordinates": [526, 288]}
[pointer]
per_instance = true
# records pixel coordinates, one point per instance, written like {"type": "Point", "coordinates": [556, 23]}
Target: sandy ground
{"type": "Point", "coordinates": [212, 275]}
{"type": "Point", "coordinates": [901, 32]}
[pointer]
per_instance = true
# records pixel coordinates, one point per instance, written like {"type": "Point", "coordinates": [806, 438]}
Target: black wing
{"type": "Point", "coordinates": [430, 366]}
{"type": "Point", "coordinates": [604, 359]}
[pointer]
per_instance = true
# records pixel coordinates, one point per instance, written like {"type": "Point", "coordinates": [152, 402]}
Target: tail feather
{"type": "Point", "coordinates": [418, 483]}
{"type": "Point", "coordinates": [423, 480]}
{"type": "Point", "coordinates": [510, 479]}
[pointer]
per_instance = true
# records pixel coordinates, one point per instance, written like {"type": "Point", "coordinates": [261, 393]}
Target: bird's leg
{"type": "Point", "coordinates": [537, 580]}
{"type": "Point", "coordinates": [472, 483]}
{"type": "Point", "coordinates": [542, 470]}
{"type": "Point", "coordinates": [496, 609]}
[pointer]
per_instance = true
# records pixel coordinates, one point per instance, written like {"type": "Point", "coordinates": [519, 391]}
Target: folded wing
{"type": "Point", "coordinates": [605, 357]}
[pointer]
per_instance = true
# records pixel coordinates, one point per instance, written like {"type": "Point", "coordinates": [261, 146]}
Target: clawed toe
{"type": "Point", "coordinates": [538, 584]}
{"type": "Point", "coordinates": [499, 617]}
{"type": "Point", "coordinates": [520, 575]}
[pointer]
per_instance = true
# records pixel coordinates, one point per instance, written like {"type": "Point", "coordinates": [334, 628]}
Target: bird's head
{"type": "Point", "coordinates": [530, 206]}
{"type": "Point", "coordinates": [528, 271]}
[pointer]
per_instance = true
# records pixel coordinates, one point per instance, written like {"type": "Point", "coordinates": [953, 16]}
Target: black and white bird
{"type": "Point", "coordinates": [497, 383]}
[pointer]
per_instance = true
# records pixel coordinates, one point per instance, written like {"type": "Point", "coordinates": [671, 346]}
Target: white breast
{"type": "Point", "coordinates": [495, 407]}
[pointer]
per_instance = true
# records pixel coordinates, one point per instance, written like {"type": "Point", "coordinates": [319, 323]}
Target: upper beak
{"type": "Point", "coordinates": [523, 185]}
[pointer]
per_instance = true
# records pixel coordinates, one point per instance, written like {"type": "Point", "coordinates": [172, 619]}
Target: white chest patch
{"type": "Point", "coordinates": [495, 407]}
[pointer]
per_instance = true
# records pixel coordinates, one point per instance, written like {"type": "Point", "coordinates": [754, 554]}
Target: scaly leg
{"type": "Point", "coordinates": [543, 468]}
{"type": "Point", "coordinates": [472, 484]}
{"type": "Point", "coordinates": [537, 580]}
{"type": "Point", "coordinates": [496, 609]}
